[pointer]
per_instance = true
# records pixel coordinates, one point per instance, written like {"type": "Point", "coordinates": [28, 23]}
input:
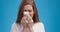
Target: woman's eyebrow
{"type": "Point", "coordinates": [25, 10]}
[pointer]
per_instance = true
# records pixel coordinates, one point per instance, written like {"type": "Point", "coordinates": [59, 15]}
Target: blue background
{"type": "Point", "coordinates": [48, 10]}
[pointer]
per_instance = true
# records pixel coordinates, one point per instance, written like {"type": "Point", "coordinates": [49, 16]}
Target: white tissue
{"type": "Point", "coordinates": [26, 13]}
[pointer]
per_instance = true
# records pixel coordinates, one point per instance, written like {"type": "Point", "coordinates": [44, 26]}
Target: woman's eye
{"type": "Point", "coordinates": [29, 10]}
{"type": "Point", "coordinates": [24, 10]}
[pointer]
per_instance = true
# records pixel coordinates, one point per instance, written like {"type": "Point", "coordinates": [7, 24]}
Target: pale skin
{"type": "Point", "coordinates": [28, 8]}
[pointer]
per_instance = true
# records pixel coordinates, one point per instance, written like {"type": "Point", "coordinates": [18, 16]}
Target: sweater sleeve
{"type": "Point", "coordinates": [38, 27]}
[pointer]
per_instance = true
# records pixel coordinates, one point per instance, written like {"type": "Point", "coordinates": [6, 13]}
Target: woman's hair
{"type": "Point", "coordinates": [20, 12]}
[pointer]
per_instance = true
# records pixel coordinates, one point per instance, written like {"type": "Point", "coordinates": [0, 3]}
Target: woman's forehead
{"type": "Point", "coordinates": [28, 7]}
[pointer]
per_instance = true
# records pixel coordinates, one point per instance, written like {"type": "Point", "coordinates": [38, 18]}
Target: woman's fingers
{"type": "Point", "coordinates": [23, 21]}
{"type": "Point", "coordinates": [30, 19]}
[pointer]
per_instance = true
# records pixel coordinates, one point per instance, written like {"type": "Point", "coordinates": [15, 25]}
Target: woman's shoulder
{"type": "Point", "coordinates": [15, 24]}
{"type": "Point", "coordinates": [38, 27]}
{"type": "Point", "coordinates": [16, 27]}
{"type": "Point", "coordinates": [39, 24]}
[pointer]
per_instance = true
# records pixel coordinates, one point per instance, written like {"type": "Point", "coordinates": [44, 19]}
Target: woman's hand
{"type": "Point", "coordinates": [27, 25]}
{"type": "Point", "coordinates": [30, 21]}
{"type": "Point", "coordinates": [23, 21]}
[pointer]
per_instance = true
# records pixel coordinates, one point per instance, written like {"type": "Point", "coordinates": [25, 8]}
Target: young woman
{"type": "Point", "coordinates": [33, 25]}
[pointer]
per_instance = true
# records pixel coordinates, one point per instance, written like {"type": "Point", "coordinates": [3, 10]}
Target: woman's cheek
{"type": "Point", "coordinates": [31, 15]}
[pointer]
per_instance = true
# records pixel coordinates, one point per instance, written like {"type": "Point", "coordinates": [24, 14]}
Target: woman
{"type": "Point", "coordinates": [33, 25]}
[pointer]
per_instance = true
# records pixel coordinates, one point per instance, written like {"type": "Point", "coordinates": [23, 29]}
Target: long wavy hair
{"type": "Point", "coordinates": [20, 11]}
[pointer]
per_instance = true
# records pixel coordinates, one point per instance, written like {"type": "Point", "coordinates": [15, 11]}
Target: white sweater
{"type": "Point", "coordinates": [37, 27]}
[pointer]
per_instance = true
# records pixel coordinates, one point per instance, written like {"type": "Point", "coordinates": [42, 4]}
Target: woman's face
{"type": "Point", "coordinates": [29, 9]}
